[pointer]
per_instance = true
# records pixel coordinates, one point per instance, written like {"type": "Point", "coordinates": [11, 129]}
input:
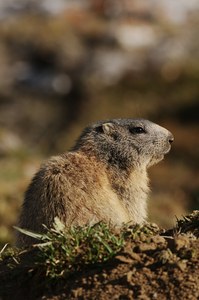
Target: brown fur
{"type": "Point", "coordinates": [104, 178]}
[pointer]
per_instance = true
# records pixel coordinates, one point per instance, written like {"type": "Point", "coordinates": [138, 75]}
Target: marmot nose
{"type": "Point", "coordinates": [170, 138]}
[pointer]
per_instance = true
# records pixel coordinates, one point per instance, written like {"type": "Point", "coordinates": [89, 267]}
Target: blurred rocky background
{"type": "Point", "coordinates": [66, 63]}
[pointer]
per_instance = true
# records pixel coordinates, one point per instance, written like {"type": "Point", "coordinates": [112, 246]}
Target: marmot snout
{"type": "Point", "coordinates": [103, 178]}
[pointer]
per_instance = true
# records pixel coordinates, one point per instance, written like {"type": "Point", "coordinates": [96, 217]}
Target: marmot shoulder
{"type": "Point", "coordinates": [103, 178]}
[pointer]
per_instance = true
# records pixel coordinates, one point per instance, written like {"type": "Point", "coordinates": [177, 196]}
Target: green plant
{"type": "Point", "coordinates": [65, 250]}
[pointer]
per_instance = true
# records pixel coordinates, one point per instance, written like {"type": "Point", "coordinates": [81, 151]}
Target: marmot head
{"type": "Point", "coordinates": [126, 143]}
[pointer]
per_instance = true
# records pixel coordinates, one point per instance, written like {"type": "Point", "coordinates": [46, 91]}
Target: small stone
{"type": "Point", "coordinates": [124, 259]}
{"type": "Point", "coordinates": [147, 247]}
{"type": "Point", "coordinates": [181, 265]}
{"type": "Point", "coordinates": [181, 242]}
{"type": "Point", "coordinates": [158, 239]}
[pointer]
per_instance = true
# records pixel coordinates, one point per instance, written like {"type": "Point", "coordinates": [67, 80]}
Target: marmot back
{"type": "Point", "coordinates": [103, 178]}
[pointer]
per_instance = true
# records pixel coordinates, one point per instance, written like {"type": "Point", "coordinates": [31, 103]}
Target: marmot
{"type": "Point", "coordinates": [103, 178]}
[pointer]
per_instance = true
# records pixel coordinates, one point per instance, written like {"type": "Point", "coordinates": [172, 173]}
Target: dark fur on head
{"type": "Point", "coordinates": [126, 143]}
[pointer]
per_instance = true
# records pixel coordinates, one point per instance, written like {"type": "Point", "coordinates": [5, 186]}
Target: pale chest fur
{"type": "Point", "coordinates": [132, 193]}
{"type": "Point", "coordinates": [135, 196]}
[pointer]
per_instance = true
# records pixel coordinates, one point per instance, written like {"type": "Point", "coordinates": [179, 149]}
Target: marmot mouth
{"type": "Point", "coordinates": [168, 150]}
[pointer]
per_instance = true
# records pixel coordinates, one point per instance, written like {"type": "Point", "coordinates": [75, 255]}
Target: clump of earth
{"type": "Point", "coordinates": [153, 264]}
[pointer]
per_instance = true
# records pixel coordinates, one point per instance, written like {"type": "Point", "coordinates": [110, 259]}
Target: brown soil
{"type": "Point", "coordinates": [137, 275]}
{"type": "Point", "coordinates": [162, 266]}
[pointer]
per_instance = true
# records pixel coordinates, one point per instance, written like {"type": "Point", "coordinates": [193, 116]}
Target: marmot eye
{"type": "Point", "coordinates": [138, 130]}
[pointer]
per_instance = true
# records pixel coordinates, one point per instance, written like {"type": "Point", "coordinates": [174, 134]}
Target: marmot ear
{"type": "Point", "coordinates": [108, 128]}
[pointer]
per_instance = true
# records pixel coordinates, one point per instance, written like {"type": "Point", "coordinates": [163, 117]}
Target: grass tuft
{"type": "Point", "coordinates": [63, 251]}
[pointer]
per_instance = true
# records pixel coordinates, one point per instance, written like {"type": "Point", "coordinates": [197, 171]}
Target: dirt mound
{"type": "Point", "coordinates": [148, 263]}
